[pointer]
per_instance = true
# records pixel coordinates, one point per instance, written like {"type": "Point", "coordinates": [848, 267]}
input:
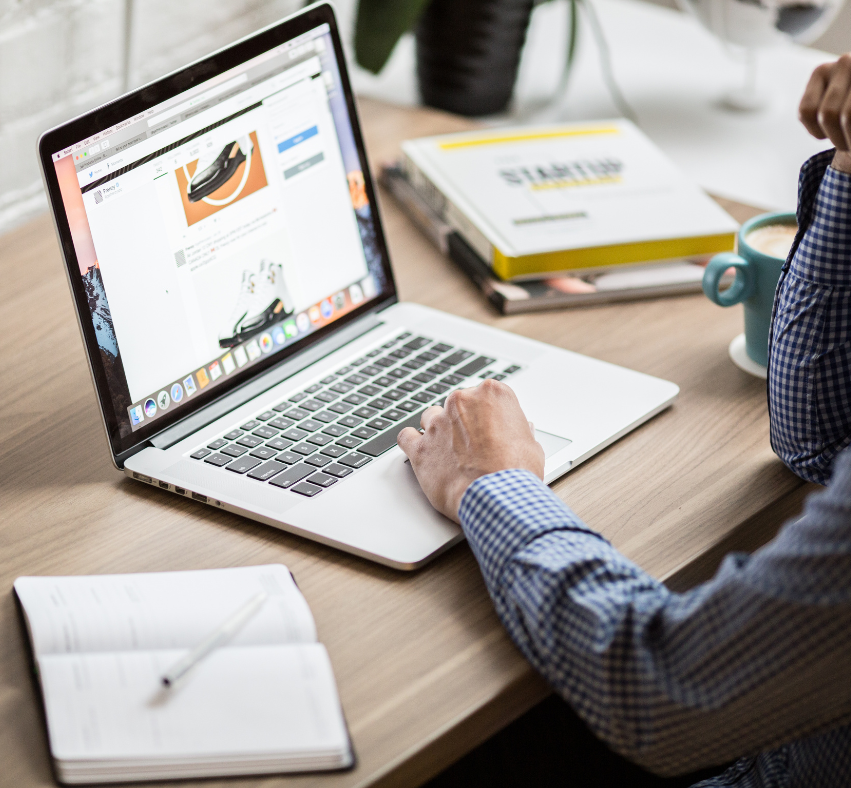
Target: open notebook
{"type": "Point", "coordinates": [265, 702]}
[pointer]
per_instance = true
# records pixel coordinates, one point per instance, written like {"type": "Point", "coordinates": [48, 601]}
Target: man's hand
{"type": "Point", "coordinates": [825, 108]}
{"type": "Point", "coordinates": [479, 431]}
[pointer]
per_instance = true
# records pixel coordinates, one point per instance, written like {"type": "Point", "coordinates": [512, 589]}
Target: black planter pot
{"type": "Point", "coordinates": [468, 52]}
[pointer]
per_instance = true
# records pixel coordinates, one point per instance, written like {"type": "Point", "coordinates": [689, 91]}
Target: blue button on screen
{"type": "Point", "coordinates": [293, 141]}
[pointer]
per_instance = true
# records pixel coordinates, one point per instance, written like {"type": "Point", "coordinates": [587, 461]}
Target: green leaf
{"type": "Point", "coordinates": [380, 24]}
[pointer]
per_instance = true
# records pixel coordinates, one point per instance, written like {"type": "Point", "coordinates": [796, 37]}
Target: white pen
{"type": "Point", "coordinates": [216, 638]}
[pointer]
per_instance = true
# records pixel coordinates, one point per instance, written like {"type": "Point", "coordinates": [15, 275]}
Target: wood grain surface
{"type": "Point", "coordinates": [424, 668]}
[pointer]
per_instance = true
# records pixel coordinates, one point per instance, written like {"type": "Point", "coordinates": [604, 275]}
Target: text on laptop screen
{"type": "Point", "coordinates": [221, 226]}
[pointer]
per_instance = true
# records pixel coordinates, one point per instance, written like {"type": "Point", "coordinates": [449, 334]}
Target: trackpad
{"type": "Point", "coordinates": [551, 443]}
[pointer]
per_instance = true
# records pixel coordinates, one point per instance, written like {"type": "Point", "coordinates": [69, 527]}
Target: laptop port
{"type": "Point", "coordinates": [180, 491]}
{"type": "Point", "coordinates": [141, 478]}
{"type": "Point", "coordinates": [199, 497]}
{"type": "Point", "coordinates": [164, 485]}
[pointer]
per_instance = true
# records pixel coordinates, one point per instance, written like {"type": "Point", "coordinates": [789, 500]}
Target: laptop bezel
{"type": "Point", "coordinates": [122, 442]}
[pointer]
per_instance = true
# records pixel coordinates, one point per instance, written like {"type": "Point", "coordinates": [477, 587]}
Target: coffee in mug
{"type": "Point", "coordinates": [774, 240]}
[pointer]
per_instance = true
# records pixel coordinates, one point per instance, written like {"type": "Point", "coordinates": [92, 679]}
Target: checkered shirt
{"type": "Point", "coordinates": [809, 372]}
{"type": "Point", "coordinates": [755, 664]}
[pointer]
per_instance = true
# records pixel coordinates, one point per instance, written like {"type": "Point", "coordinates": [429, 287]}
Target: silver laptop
{"type": "Point", "coordinates": [234, 292]}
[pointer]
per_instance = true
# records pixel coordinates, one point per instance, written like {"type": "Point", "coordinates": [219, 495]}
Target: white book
{"type": "Point", "coordinates": [550, 199]}
{"type": "Point", "coordinates": [264, 702]}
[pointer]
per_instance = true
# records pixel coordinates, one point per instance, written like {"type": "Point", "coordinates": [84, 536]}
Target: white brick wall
{"type": "Point", "coordinates": [59, 58]}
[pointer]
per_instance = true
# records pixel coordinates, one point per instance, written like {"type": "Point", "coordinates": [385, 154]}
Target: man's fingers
{"type": "Point", "coordinates": [429, 415]}
{"type": "Point", "coordinates": [811, 101]}
{"type": "Point", "coordinates": [833, 102]}
{"type": "Point", "coordinates": [408, 439]}
{"type": "Point", "coordinates": [531, 428]}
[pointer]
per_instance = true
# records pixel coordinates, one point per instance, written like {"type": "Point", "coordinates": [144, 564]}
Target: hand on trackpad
{"type": "Point", "coordinates": [551, 443]}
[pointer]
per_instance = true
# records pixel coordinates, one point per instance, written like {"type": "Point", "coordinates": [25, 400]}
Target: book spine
{"type": "Point", "coordinates": [446, 209]}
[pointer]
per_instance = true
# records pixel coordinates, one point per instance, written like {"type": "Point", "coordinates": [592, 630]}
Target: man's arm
{"type": "Point", "coordinates": [810, 344]}
{"type": "Point", "coordinates": [758, 656]}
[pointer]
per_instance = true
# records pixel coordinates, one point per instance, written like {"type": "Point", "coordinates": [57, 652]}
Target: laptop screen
{"type": "Point", "coordinates": [225, 226]}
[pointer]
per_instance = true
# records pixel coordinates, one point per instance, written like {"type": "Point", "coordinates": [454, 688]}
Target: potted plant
{"type": "Point", "coordinates": [468, 51]}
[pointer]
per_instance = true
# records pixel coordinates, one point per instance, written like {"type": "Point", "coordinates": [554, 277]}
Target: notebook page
{"type": "Point", "coordinates": [246, 701]}
{"type": "Point", "coordinates": [160, 610]}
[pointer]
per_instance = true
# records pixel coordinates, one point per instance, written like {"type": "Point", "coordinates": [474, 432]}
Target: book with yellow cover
{"type": "Point", "coordinates": [536, 200]}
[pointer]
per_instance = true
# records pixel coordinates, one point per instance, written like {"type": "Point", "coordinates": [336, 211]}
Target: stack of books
{"type": "Point", "coordinates": [560, 216]}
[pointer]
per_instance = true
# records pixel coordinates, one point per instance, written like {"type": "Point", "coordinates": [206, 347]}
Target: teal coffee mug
{"type": "Point", "coordinates": [763, 246]}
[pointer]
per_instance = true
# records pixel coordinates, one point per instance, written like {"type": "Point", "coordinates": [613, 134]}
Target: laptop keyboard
{"type": "Point", "coordinates": [328, 430]}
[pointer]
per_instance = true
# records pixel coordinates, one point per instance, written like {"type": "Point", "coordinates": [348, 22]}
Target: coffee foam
{"type": "Point", "coordinates": [774, 240]}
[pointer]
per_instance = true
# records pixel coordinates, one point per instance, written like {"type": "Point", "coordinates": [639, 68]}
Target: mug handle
{"type": "Point", "coordinates": [743, 287]}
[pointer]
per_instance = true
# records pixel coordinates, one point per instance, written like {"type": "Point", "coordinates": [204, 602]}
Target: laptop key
{"type": "Point", "coordinates": [399, 373]}
{"type": "Point", "coordinates": [311, 425]}
{"type": "Point", "coordinates": [339, 471]}
{"type": "Point", "coordinates": [282, 406]}
{"type": "Point", "coordinates": [333, 451]}
{"type": "Point", "coordinates": [355, 399]}
{"type": "Point", "coordinates": [263, 453]}
{"type": "Point", "coordinates": [297, 414]}
{"type": "Point", "coordinates": [348, 442]}
{"type": "Point", "coordinates": [322, 479]}
{"type": "Point", "coordinates": [233, 450]}
{"type": "Point", "coordinates": [365, 412]}
{"type": "Point", "coordinates": [217, 444]}
{"type": "Point", "coordinates": [511, 370]}
{"type": "Point", "coordinates": [328, 379]}
{"type": "Point", "coordinates": [308, 490]}
{"type": "Point", "coordinates": [279, 444]}
{"type": "Point", "coordinates": [325, 416]}
{"type": "Point", "coordinates": [369, 391]}
{"type": "Point", "coordinates": [385, 362]}
{"type": "Point", "coordinates": [232, 435]}
{"type": "Point", "coordinates": [394, 395]}
{"type": "Point", "coordinates": [457, 357]}
{"type": "Point", "coordinates": [372, 370]}
{"type": "Point", "coordinates": [438, 369]}
{"type": "Point", "coordinates": [340, 407]}
{"type": "Point", "coordinates": [298, 397]}
{"type": "Point", "coordinates": [373, 353]}
{"type": "Point", "coordinates": [318, 460]}
{"type": "Point", "coordinates": [379, 424]}
{"type": "Point", "coordinates": [409, 385]}
{"type": "Point", "coordinates": [303, 448]}
{"type": "Point", "coordinates": [243, 465]}
{"type": "Point", "coordinates": [265, 415]}
{"type": "Point", "coordinates": [384, 381]}
{"type": "Point", "coordinates": [343, 371]}
{"type": "Point", "coordinates": [312, 405]}
{"type": "Point", "coordinates": [334, 430]}
{"type": "Point", "coordinates": [294, 434]}
{"type": "Point", "coordinates": [266, 471]}
{"type": "Point", "coordinates": [402, 336]}
{"type": "Point", "coordinates": [416, 344]}
{"type": "Point", "coordinates": [200, 454]}
{"type": "Point", "coordinates": [326, 396]}
{"type": "Point", "coordinates": [314, 388]}
{"type": "Point", "coordinates": [355, 460]}
{"type": "Point", "coordinates": [427, 356]}
{"type": "Point", "coordinates": [423, 377]}
{"type": "Point", "coordinates": [342, 388]}
{"type": "Point", "coordinates": [359, 361]}
{"type": "Point", "coordinates": [409, 407]}
{"type": "Point", "coordinates": [401, 353]}
{"type": "Point", "coordinates": [291, 475]}
{"type": "Point", "coordinates": [250, 441]}
{"type": "Point", "coordinates": [387, 440]}
{"type": "Point", "coordinates": [289, 457]}
{"type": "Point", "coordinates": [355, 380]}
{"type": "Point", "coordinates": [280, 423]}
{"type": "Point", "coordinates": [265, 432]}
{"type": "Point", "coordinates": [423, 396]}
{"type": "Point", "coordinates": [218, 460]}
{"type": "Point", "coordinates": [380, 403]}
{"type": "Point", "coordinates": [476, 365]}
{"type": "Point", "coordinates": [363, 432]}
{"type": "Point", "coordinates": [441, 348]}
{"type": "Point", "coordinates": [250, 425]}
{"type": "Point", "coordinates": [393, 414]}
{"type": "Point", "coordinates": [437, 388]}
{"type": "Point", "coordinates": [350, 421]}
{"type": "Point", "coordinates": [452, 380]}
{"type": "Point", "coordinates": [319, 439]}
{"type": "Point", "coordinates": [414, 363]}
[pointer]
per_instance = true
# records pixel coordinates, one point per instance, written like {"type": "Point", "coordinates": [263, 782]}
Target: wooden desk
{"type": "Point", "coordinates": [424, 668]}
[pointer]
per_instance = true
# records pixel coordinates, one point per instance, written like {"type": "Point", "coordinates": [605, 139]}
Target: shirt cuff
{"type": "Point", "coordinates": [503, 512]}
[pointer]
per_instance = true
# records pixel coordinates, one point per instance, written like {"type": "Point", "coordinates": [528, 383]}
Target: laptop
{"type": "Point", "coordinates": [234, 292]}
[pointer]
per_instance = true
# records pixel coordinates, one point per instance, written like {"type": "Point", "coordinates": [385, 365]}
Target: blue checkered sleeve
{"type": "Point", "coordinates": [809, 377]}
{"type": "Point", "coordinates": [744, 665]}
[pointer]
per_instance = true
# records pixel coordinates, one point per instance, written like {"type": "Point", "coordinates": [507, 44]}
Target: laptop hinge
{"type": "Point", "coordinates": [271, 377]}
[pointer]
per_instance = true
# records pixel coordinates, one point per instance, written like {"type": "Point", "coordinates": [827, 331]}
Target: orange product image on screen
{"type": "Point", "coordinates": [357, 189]}
{"type": "Point", "coordinates": [221, 177]}
{"type": "Point", "coordinates": [201, 375]}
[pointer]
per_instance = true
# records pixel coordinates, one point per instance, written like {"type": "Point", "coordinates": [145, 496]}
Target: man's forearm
{"type": "Point", "coordinates": [674, 682]}
{"type": "Point", "coordinates": [810, 363]}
